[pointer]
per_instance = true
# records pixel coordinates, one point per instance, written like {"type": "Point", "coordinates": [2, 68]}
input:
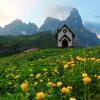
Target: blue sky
{"type": "Point", "coordinates": [37, 10]}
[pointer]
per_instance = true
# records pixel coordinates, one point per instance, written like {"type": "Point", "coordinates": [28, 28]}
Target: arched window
{"type": "Point", "coordinates": [65, 30]}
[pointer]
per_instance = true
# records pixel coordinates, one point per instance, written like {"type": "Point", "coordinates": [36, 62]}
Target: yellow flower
{"type": "Point", "coordinates": [66, 66]}
{"type": "Point", "coordinates": [48, 80]}
{"type": "Point", "coordinates": [41, 80]}
{"type": "Point", "coordinates": [31, 75]}
{"type": "Point", "coordinates": [59, 84]}
{"type": "Point", "coordinates": [26, 82]}
{"type": "Point", "coordinates": [72, 65]}
{"type": "Point", "coordinates": [38, 75]}
{"type": "Point", "coordinates": [16, 77]}
{"type": "Point", "coordinates": [50, 83]}
{"type": "Point", "coordinates": [92, 58]}
{"type": "Point", "coordinates": [69, 63]}
{"type": "Point", "coordinates": [97, 60]}
{"type": "Point", "coordinates": [72, 98]}
{"type": "Point", "coordinates": [55, 70]}
{"type": "Point", "coordinates": [87, 80]}
{"type": "Point", "coordinates": [44, 69]}
{"type": "Point", "coordinates": [84, 75]}
{"type": "Point", "coordinates": [54, 85]}
{"type": "Point", "coordinates": [98, 77]}
{"type": "Point", "coordinates": [24, 86]}
{"type": "Point", "coordinates": [95, 76]}
{"type": "Point", "coordinates": [35, 83]}
{"type": "Point", "coordinates": [40, 95]}
{"type": "Point", "coordinates": [65, 90]}
{"type": "Point", "coordinates": [69, 87]}
{"type": "Point", "coordinates": [72, 61]}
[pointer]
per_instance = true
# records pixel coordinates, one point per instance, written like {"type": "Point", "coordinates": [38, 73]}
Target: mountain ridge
{"type": "Point", "coordinates": [83, 37]}
{"type": "Point", "coordinates": [18, 27]}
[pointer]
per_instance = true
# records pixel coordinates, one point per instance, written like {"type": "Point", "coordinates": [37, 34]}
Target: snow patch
{"type": "Point", "coordinates": [98, 35]}
{"type": "Point", "coordinates": [23, 32]}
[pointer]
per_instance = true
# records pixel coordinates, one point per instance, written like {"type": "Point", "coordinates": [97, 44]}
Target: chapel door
{"type": "Point", "coordinates": [64, 43]}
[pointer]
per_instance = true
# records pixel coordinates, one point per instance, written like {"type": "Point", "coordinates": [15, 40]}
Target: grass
{"type": "Point", "coordinates": [43, 74]}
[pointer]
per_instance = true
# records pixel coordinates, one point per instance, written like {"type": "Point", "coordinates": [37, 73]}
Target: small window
{"type": "Point", "coordinates": [65, 30]}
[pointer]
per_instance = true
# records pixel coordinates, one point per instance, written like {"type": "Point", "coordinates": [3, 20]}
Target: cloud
{"type": "Point", "coordinates": [4, 18]}
{"type": "Point", "coordinates": [60, 12]}
{"type": "Point", "coordinates": [12, 9]}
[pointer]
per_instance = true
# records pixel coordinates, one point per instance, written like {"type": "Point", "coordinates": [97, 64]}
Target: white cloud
{"type": "Point", "coordinates": [60, 12]}
{"type": "Point", "coordinates": [12, 9]}
{"type": "Point", "coordinates": [4, 19]}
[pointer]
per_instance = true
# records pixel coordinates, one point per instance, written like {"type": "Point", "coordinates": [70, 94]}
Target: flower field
{"type": "Point", "coordinates": [51, 74]}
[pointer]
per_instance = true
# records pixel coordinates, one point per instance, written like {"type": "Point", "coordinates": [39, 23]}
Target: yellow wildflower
{"type": "Point", "coordinates": [48, 80]}
{"type": "Point", "coordinates": [31, 75]}
{"type": "Point", "coordinates": [72, 61]}
{"type": "Point", "coordinates": [72, 65]}
{"type": "Point", "coordinates": [92, 58]}
{"type": "Point", "coordinates": [87, 80]}
{"type": "Point", "coordinates": [69, 87]}
{"type": "Point", "coordinates": [38, 75]}
{"type": "Point", "coordinates": [97, 60]}
{"type": "Point", "coordinates": [24, 86]}
{"type": "Point", "coordinates": [54, 85]}
{"type": "Point", "coordinates": [50, 83]}
{"type": "Point", "coordinates": [55, 70]}
{"type": "Point", "coordinates": [95, 76]}
{"type": "Point", "coordinates": [40, 95]}
{"type": "Point", "coordinates": [84, 75]}
{"type": "Point", "coordinates": [59, 84]}
{"type": "Point", "coordinates": [45, 69]}
{"type": "Point", "coordinates": [72, 98]}
{"type": "Point", "coordinates": [65, 90]}
{"type": "Point", "coordinates": [98, 77]}
{"type": "Point", "coordinates": [26, 82]}
{"type": "Point", "coordinates": [66, 66]}
{"type": "Point", "coordinates": [35, 83]}
{"type": "Point", "coordinates": [41, 80]}
{"type": "Point", "coordinates": [69, 63]}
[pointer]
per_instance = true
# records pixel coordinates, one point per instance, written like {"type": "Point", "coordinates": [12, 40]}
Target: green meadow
{"type": "Point", "coordinates": [51, 74]}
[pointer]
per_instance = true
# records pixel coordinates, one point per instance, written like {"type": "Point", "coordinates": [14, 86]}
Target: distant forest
{"type": "Point", "coordinates": [15, 44]}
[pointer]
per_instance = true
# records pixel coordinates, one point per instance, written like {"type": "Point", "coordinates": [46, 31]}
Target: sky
{"type": "Point", "coordinates": [36, 11]}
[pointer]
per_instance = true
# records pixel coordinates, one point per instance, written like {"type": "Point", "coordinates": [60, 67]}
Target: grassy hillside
{"type": "Point", "coordinates": [51, 74]}
{"type": "Point", "coordinates": [15, 44]}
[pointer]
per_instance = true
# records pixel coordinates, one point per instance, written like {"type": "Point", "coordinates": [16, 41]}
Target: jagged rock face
{"type": "Point", "coordinates": [17, 27]}
{"type": "Point", "coordinates": [74, 20]}
{"type": "Point", "coordinates": [83, 37]}
{"type": "Point", "coordinates": [50, 24]}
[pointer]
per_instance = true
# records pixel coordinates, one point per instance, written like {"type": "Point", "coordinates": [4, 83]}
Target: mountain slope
{"type": "Point", "coordinates": [93, 27]}
{"type": "Point", "coordinates": [58, 73]}
{"type": "Point", "coordinates": [50, 24]}
{"type": "Point", "coordinates": [83, 37]}
{"type": "Point", "coordinates": [17, 27]}
{"type": "Point", "coordinates": [15, 44]}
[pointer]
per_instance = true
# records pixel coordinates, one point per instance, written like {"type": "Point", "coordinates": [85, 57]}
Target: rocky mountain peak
{"type": "Point", "coordinates": [17, 21]}
{"type": "Point", "coordinates": [17, 27]}
{"type": "Point", "coordinates": [50, 24]}
{"type": "Point", "coordinates": [74, 21]}
{"type": "Point", "coordinates": [0, 27]}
